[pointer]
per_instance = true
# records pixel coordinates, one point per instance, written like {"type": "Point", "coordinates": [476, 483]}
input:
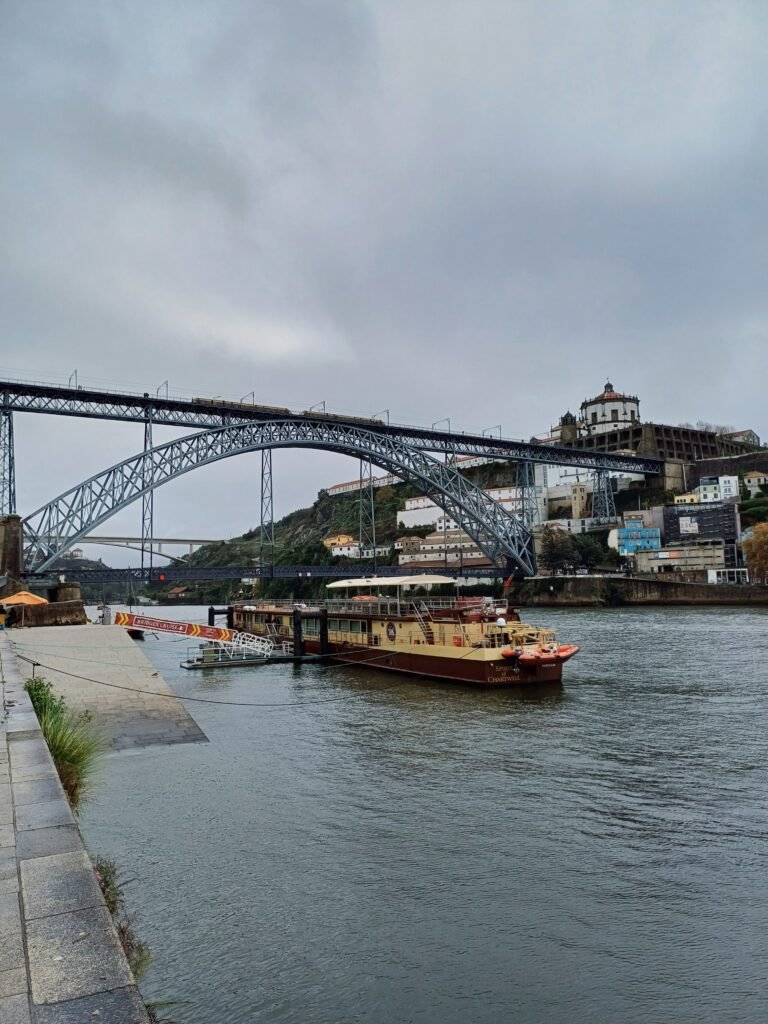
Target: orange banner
{"type": "Point", "coordinates": [132, 621]}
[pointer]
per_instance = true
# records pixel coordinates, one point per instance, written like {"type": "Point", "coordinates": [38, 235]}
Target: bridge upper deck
{"type": "Point", "coordinates": [216, 412]}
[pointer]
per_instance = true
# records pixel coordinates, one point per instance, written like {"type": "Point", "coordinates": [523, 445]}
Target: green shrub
{"type": "Point", "coordinates": [44, 701]}
{"type": "Point", "coordinates": [75, 747]}
{"type": "Point", "coordinates": [74, 744]}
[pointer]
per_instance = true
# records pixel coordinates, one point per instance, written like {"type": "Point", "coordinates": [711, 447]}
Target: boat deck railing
{"type": "Point", "coordinates": [380, 605]}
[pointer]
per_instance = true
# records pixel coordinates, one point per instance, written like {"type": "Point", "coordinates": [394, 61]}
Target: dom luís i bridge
{"type": "Point", "coordinates": [221, 429]}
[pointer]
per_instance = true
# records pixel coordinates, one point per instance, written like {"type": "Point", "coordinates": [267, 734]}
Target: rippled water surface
{"type": "Point", "coordinates": [428, 853]}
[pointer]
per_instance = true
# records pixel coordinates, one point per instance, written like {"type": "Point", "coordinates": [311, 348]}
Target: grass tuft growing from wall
{"type": "Point", "coordinates": [111, 885]}
{"type": "Point", "coordinates": [75, 744]}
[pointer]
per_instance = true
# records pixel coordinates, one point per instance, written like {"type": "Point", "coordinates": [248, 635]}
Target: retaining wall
{"type": "Point", "coordinates": [59, 613]}
{"type": "Point", "coordinates": [592, 591]}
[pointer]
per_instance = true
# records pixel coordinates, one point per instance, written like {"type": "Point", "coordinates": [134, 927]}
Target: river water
{"type": "Point", "coordinates": [428, 853]}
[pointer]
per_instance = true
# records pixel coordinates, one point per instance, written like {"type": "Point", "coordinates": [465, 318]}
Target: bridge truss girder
{"type": "Point", "coordinates": [210, 414]}
{"type": "Point", "coordinates": [55, 527]}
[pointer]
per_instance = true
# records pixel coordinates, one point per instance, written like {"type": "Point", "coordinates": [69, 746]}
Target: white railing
{"type": "Point", "coordinates": [246, 644]}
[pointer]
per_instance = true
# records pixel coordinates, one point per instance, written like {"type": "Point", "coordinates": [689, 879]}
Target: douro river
{"type": "Point", "coordinates": [368, 849]}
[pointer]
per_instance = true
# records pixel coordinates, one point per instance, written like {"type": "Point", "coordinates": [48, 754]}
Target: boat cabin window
{"type": "Point", "coordinates": [348, 625]}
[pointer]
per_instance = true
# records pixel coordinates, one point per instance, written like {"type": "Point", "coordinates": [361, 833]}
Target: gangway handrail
{"type": "Point", "coordinates": [246, 643]}
{"type": "Point", "coordinates": [231, 640]}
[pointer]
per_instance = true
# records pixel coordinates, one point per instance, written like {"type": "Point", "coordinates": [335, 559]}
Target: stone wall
{"type": "Point", "coordinates": [595, 591]}
{"type": "Point", "coordinates": [10, 553]}
{"type": "Point", "coordinates": [59, 613]}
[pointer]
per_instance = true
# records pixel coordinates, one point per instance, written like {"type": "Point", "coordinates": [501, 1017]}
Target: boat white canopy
{"type": "Point", "coordinates": [360, 581]}
{"type": "Point", "coordinates": [391, 581]}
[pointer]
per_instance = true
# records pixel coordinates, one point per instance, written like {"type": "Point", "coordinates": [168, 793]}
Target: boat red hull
{"type": "Point", "coordinates": [499, 672]}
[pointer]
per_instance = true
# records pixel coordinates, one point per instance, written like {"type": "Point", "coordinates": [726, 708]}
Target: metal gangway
{"type": "Point", "coordinates": [245, 645]}
{"type": "Point", "coordinates": [232, 642]}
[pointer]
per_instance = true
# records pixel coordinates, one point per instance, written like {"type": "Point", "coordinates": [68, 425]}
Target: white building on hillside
{"type": "Point", "coordinates": [717, 488]}
{"type": "Point", "coordinates": [350, 486]}
{"type": "Point", "coordinates": [448, 548]}
{"type": "Point", "coordinates": [754, 480]}
{"type": "Point", "coordinates": [422, 511]}
{"type": "Point", "coordinates": [353, 551]}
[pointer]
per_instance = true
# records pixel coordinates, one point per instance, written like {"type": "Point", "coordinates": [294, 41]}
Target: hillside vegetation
{"type": "Point", "coordinates": [299, 537]}
{"type": "Point", "coordinates": [299, 541]}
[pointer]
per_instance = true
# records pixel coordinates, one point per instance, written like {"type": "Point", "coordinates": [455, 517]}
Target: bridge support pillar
{"type": "Point", "coordinates": [367, 529]}
{"type": "Point", "coordinates": [267, 519]}
{"type": "Point", "coordinates": [147, 503]}
{"type": "Point", "coordinates": [603, 505]}
{"type": "Point", "coordinates": [529, 506]}
{"type": "Point", "coordinates": [10, 554]}
{"type": "Point", "coordinates": [7, 465]}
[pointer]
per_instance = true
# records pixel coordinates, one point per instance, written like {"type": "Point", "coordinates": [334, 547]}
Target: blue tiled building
{"type": "Point", "coordinates": [634, 536]}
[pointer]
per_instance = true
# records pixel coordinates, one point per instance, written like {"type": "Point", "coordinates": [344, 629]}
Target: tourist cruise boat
{"type": "Point", "coordinates": [472, 640]}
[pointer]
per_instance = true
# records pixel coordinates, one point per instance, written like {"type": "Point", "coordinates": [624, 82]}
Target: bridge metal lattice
{"type": "Point", "coordinates": [55, 527]}
{"type": "Point", "coordinates": [147, 504]}
{"type": "Point", "coordinates": [7, 465]}
{"type": "Point", "coordinates": [211, 413]}
{"type": "Point", "coordinates": [267, 516]}
{"type": "Point", "coordinates": [603, 504]}
{"type": "Point", "coordinates": [366, 534]}
{"type": "Point", "coordinates": [529, 504]}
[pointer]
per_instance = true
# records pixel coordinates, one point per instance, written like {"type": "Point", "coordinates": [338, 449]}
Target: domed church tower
{"type": "Point", "coordinates": [569, 429]}
{"type": "Point", "coordinates": [610, 411]}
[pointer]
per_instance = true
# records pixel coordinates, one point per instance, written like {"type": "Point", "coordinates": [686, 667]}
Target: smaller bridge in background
{"type": "Point", "coordinates": [157, 543]}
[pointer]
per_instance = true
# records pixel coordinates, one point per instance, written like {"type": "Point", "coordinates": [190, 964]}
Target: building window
{"type": "Point", "coordinates": [614, 415]}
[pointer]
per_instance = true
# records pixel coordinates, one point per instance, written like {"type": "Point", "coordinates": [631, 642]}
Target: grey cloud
{"type": "Point", "coordinates": [445, 208]}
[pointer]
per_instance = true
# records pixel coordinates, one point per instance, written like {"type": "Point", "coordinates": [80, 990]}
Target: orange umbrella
{"type": "Point", "coordinates": [23, 597]}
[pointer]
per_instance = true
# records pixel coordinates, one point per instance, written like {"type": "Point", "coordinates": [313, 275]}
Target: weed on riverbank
{"type": "Point", "coordinates": [136, 952]}
{"type": "Point", "coordinates": [111, 885]}
{"type": "Point", "coordinates": [74, 742]}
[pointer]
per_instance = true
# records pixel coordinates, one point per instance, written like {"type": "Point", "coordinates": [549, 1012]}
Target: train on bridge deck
{"type": "Point", "coordinates": [252, 409]}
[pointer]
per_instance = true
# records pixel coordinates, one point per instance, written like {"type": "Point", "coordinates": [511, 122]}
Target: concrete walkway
{"type": "Point", "coordinates": [61, 961]}
{"type": "Point", "coordinates": [131, 717]}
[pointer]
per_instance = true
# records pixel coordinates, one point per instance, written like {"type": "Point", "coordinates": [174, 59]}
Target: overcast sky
{"type": "Point", "coordinates": [468, 209]}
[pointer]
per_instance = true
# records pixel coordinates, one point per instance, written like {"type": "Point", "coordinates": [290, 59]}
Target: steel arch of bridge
{"type": "Point", "coordinates": [57, 526]}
